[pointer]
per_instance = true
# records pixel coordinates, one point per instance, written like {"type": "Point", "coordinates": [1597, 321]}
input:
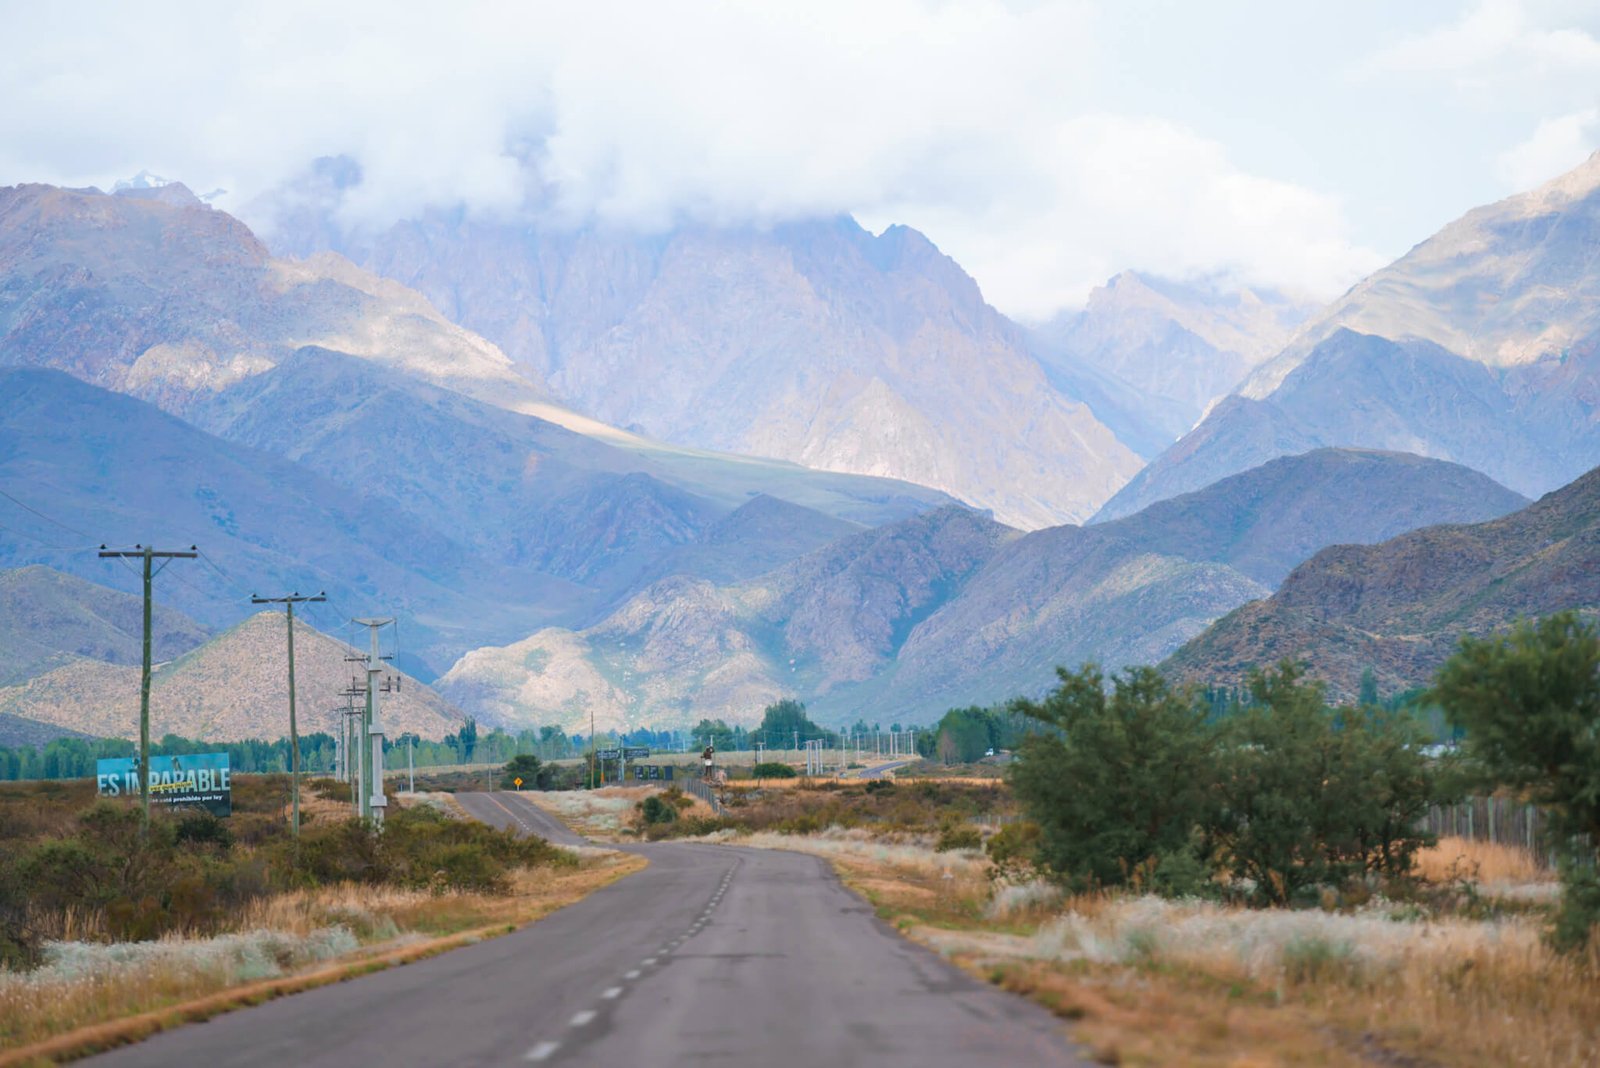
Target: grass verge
{"type": "Point", "coordinates": [50, 1019]}
{"type": "Point", "coordinates": [1145, 981]}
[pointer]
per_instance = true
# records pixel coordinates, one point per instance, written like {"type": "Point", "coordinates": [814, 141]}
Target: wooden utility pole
{"type": "Point", "coordinates": [289, 601]}
{"type": "Point", "coordinates": [147, 554]}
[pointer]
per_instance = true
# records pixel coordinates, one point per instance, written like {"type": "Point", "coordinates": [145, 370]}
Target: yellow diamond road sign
{"type": "Point", "coordinates": [518, 782]}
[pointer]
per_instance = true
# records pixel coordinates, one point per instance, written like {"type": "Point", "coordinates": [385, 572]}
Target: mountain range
{"type": "Point", "coordinates": [949, 608]}
{"type": "Point", "coordinates": [813, 341]}
{"type": "Point", "coordinates": [1481, 345]}
{"type": "Point", "coordinates": [232, 686]}
{"type": "Point", "coordinates": [1398, 607]}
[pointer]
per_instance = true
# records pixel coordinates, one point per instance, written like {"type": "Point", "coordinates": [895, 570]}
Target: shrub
{"type": "Point", "coordinates": [654, 809]}
{"type": "Point", "coordinates": [1014, 851]}
{"type": "Point", "coordinates": [772, 769]}
{"type": "Point", "coordinates": [1315, 796]}
{"type": "Point", "coordinates": [1124, 778]}
{"type": "Point", "coordinates": [955, 836]}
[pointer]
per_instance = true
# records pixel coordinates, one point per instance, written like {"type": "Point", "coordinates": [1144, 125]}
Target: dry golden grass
{"type": "Point", "coordinates": [54, 1014]}
{"type": "Point", "coordinates": [1491, 863]}
{"type": "Point", "coordinates": [1151, 982]}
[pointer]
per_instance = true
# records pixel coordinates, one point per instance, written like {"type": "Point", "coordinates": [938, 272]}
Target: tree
{"type": "Point", "coordinates": [468, 734]}
{"type": "Point", "coordinates": [714, 732]}
{"type": "Point", "coordinates": [1529, 703]}
{"type": "Point", "coordinates": [780, 722]}
{"type": "Point", "coordinates": [524, 766]}
{"type": "Point", "coordinates": [1123, 782]}
{"type": "Point", "coordinates": [1315, 796]}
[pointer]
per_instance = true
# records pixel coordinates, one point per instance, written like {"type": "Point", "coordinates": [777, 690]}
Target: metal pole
{"type": "Point", "coordinates": [294, 731]}
{"type": "Point", "coordinates": [411, 765]}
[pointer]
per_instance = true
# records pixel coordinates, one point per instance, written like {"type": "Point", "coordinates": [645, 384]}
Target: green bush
{"type": "Point", "coordinates": [1314, 796]}
{"type": "Point", "coordinates": [654, 809]}
{"type": "Point", "coordinates": [1124, 777]}
{"type": "Point", "coordinates": [772, 769]}
{"type": "Point", "coordinates": [958, 836]}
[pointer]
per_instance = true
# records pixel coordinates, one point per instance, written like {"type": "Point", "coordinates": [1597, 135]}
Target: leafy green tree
{"type": "Point", "coordinates": [780, 721]}
{"type": "Point", "coordinates": [524, 766]}
{"type": "Point", "coordinates": [1123, 781]}
{"type": "Point", "coordinates": [1315, 796]}
{"type": "Point", "coordinates": [1529, 703]}
{"type": "Point", "coordinates": [714, 732]}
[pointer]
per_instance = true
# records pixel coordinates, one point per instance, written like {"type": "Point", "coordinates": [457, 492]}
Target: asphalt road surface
{"type": "Point", "coordinates": [880, 770]}
{"type": "Point", "coordinates": [712, 955]}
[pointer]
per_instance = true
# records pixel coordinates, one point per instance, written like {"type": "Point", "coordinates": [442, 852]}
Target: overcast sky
{"type": "Point", "coordinates": [1044, 145]}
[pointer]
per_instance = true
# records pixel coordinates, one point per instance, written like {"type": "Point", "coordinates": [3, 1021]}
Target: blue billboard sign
{"type": "Point", "coordinates": [195, 779]}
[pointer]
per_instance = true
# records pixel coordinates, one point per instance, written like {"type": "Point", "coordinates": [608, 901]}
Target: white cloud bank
{"type": "Point", "coordinates": [971, 120]}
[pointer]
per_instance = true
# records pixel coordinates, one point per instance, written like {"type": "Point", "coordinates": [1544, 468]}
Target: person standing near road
{"type": "Point", "coordinates": [707, 758]}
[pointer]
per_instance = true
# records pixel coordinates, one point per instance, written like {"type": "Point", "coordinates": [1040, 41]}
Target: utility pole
{"type": "Point", "coordinates": [289, 601]}
{"type": "Point", "coordinates": [147, 554]}
{"type": "Point", "coordinates": [373, 801]}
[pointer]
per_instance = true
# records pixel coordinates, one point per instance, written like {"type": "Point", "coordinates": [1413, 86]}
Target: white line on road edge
{"type": "Point", "coordinates": [542, 1051]}
{"type": "Point", "coordinates": [612, 994]}
{"type": "Point", "coordinates": [583, 1017]}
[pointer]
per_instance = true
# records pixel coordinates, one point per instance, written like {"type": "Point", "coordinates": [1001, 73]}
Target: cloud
{"type": "Point", "coordinates": [1557, 145]}
{"type": "Point", "coordinates": [1494, 41]}
{"type": "Point", "coordinates": [973, 120]}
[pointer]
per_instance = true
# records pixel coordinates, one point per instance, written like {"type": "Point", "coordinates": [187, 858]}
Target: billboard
{"type": "Point", "coordinates": [197, 779]}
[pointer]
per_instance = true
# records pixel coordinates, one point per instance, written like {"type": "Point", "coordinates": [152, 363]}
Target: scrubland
{"type": "Point", "coordinates": [1449, 967]}
{"type": "Point", "coordinates": [109, 936]}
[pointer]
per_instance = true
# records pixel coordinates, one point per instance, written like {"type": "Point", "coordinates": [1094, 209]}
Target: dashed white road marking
{"type": "Point", "coordinates": [613, 993]}
{"type": "Point", "coordinates": [631, 975]}
{"type": "Point", "coordinates": [542, 1051]}
{"type": "Point", "coordinates": [648, 961]}
{"type": "Point", "coordinates": [583, 1017]}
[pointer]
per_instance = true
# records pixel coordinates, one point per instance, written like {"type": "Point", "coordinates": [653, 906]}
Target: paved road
{"type": "Point", "coordinates": [712, 955]}
{"type": "Point", "coordinates": [880, 770]}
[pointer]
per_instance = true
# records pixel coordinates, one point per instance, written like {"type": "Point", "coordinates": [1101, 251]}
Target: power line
{"type": "Point", "coordinates": [41, 515]}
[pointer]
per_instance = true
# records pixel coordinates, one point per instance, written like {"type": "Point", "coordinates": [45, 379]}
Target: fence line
{"type": "Point", "coordinates": [1497, 820]}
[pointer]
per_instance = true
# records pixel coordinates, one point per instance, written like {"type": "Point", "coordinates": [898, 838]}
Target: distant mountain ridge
{"type": "Point", "coordinates": [1481, 345]}
{"type": "Point", "coordinates": [1149, 355]}
{"type": "Point", "coordinates": [233, 686]}
{"type": "Point", "coordinates": [812, 341]}
{"type": "Point", "coordinates": [949, 608]}
{"type": "Point", "coordinates": [47, 617]}
{"type": "Point", "coordinates": [1398, 607]}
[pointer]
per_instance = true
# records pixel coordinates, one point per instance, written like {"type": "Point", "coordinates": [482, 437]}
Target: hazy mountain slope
{"type": "Point", "coordinates": [16, 731]}
{"type": "Point", "coordinates": [234, 686]}
{"type": "Point", "coordinates": [685, 648]}
{"type": "Point", "coordinates": [1150, 355]}
{"type": "Point", "coordinates": [1507, 284]}
{"type": "Point", "coordinates": [1267, 520]}
{"type": "Point", "coordinates": [522, 491]}
{"type": "Point", "coordinates": [1479, 346]}
{"type": "Point", "coordinates": [47, 617]}
{"type": "Point", "coordinates": [815, 342]}
{"type": "Point", "coordinates": [949, 608]}
{"type": "Point", "coordinates": [166, 298]}
{"type": "Point", "coordinates": [126, 472]}
{"type": "Point", "coordinates": [170, 300]}
{"type": "Point", "coordinates": [1399, 606]}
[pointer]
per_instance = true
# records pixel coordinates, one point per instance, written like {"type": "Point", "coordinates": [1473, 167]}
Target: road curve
{"type": "Point", "coordinates": [711, 955]}
{"type": "Point", "coordinates": [881, 770]}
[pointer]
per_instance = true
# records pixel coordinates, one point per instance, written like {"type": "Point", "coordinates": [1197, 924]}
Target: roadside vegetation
{"type": "Point", "coordinates": [1191, 883]}
{"type": "Point", "coordinates": [100, 920]}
